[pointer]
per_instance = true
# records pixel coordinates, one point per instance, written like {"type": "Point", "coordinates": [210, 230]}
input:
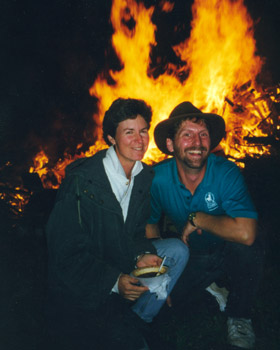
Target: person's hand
{"type": "Point", "coordinates": [148, 260]}
{"type": "Point", "coordinates": [187, 230]}
{"type": "Point", "coordinates": [169, 301]}
{"type": "Point", "coordinates": [128, 288]}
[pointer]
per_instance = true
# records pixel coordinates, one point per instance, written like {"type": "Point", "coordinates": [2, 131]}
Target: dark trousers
{"type": "Point", "coordinates": [239, 265]}
{"type": "Point", "coordinates": [112, 326]}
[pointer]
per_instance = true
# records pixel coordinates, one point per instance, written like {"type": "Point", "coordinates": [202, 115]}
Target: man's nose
{"type": "Point", "coordinates": [197, 139]}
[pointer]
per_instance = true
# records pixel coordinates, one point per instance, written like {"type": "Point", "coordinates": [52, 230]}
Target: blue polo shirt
{"type": "Point", "coordinates": [222, 192]}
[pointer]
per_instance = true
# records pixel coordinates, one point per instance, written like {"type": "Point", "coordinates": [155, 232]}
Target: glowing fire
{"type": "Point", "coordinates": [16, 198]}
{"type": "Point", "coordinates": [219, 59]}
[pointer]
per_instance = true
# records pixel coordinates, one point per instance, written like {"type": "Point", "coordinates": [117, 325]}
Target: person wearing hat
{"type": "Point", "coordinates": [205, 198]}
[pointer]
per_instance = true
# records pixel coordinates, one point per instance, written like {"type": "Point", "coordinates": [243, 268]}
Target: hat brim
{"type": "Point", "coordinates": [216, 123]}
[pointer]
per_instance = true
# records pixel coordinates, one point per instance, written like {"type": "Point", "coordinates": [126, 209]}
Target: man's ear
{"type": "Point", "coordinates": [111, 139]}
{"type": "Point", "coordinates": [169, 145]}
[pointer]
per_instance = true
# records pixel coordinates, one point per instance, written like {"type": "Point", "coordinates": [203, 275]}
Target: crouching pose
{"type": "Point", "coordinates": [96, 237]}
{"type": "Point", "coordinates": [206, 199]}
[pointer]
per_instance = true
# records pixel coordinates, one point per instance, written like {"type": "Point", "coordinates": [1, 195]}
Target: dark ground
{"type": "Point", "coordinates": [201, 326]}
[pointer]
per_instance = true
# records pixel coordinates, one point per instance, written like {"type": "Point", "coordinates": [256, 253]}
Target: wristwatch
{"type": "Point", "coordinates": [191, 217]}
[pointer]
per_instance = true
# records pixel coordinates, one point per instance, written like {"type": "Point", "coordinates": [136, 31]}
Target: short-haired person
{"type": "Point", "coordinates": [206, 199]}
{"type": "Point", "coordinates": [96, 237]}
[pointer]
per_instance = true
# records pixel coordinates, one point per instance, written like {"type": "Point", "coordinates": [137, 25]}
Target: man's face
{"type": "Point", "coordinates": [191, 145]}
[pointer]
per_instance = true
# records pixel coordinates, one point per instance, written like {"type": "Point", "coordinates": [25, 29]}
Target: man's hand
{"type": "Point", "coordinates": [187, 230]}
{"type": "Point", "coordinates": [148, 260]}
{"type": "Point", "coordinates": [128, 288]}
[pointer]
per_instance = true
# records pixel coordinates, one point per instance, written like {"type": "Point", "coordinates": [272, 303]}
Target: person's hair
{"type": "Point", "coordinates": [123, 109]}
{"type": "Point", "coordinates": [176, 126]}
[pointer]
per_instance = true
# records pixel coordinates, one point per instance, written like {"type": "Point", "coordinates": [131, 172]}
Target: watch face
{"type": "Point", "coordinates": [191, 217]}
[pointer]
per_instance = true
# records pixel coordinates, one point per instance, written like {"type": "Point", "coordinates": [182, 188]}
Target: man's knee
{"type": "Point", "coordinates": [173, 248]}
{"type": "Point", "coordinates": [238, 256]}
{"type": "Point", "coordinates": [179, 252]}
{"type": "Point", "coordinates": [252, 253]}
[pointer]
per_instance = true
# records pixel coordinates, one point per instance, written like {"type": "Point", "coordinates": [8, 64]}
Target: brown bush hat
{"type": "Point", "coordinates": [183, 110]}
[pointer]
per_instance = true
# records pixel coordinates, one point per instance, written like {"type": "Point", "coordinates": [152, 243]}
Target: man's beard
{"type": "Point", "coordinates": [185, 159]}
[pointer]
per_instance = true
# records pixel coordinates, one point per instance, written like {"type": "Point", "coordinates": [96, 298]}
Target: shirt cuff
{"type": "Point", "coordinates": [115, 289]}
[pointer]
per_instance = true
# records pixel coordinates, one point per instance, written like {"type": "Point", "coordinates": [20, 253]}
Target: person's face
{"type": "Point", "coordinates": [191, 145]}
{"type": "Point", "coordinates": [131, 140]}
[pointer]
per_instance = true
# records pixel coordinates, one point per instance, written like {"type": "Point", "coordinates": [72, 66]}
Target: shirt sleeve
{"type": "Point", "coordinates": [237, 201]}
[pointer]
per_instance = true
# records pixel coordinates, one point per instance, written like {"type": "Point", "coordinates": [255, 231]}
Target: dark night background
{"type": "Point", "coordinates": [51, 53]}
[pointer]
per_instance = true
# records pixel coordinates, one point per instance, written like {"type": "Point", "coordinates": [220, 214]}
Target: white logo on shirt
{"type": "Point", "coordinates": [210, 201]}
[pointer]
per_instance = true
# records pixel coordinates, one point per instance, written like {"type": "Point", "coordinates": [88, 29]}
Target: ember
{"type": "Point", "coordinates": [16, 198]}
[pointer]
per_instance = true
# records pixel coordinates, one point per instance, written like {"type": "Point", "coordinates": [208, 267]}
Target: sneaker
{"type": "Point", "coordinates": [240, 333]}
{"type": "Point", "coordinates": [220, 294]}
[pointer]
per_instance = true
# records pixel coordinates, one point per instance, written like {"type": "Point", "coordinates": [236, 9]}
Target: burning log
{"type": "Point", "coordinates": [15, 199]}
{"type": "Point", "coordinates": [260, 109]}
{"type": "Point", "coordinates": [264, 140]}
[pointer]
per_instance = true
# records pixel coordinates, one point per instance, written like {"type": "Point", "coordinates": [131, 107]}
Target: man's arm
{"type": "Point", "coordinates": [239, 230]}
{"type": "Point", "coordinates": [152, 231]}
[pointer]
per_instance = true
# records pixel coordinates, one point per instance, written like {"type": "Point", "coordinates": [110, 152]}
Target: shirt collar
{"type": "Point", "coordinates": [176, 178]}
{"type": "Point", "coordinates": [112, 161]}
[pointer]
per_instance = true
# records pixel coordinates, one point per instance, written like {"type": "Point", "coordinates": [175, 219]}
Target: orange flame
{"type": "Point", "coordinates": [219, 59]}
{"type": "Point", "coordinates": [219, 56]}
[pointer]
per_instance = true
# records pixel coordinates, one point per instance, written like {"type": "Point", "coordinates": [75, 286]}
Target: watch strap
{"type": "Point", "coordinates": [191, 217]}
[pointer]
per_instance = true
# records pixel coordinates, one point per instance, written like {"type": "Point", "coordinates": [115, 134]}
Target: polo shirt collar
{"type": "Point", "coordinates": [176, 178]}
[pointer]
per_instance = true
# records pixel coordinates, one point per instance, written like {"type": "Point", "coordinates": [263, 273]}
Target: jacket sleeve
{"type": "Point", "coordinates": [140, 244]}
{"type": "Point", "coordinates": [75, 265]}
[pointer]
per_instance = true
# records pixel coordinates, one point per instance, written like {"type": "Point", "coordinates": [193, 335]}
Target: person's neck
{"type": "Point", "coordinates": [191, 178]}
{"type": "Point", "coordinates": [127, 165]}
{"type": "Point", "coordinates": [128, 169]}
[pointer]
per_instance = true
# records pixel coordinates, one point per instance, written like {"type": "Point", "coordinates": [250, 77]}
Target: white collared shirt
{"type": "Point", "coordinates": [121, 186]}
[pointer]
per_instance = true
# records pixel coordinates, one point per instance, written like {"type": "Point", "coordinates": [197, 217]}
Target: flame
{"type": "Point", "coordinates": [219, 57]}
{"type": "Point", "coordinates": [220, 65]}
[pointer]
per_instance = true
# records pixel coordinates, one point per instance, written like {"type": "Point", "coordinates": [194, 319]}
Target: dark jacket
{"type": "Point", "coordinates": [89, 244]}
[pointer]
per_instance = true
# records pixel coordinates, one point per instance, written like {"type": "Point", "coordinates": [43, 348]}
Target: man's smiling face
{"type": "Point", "coordinates": [191, 144]}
